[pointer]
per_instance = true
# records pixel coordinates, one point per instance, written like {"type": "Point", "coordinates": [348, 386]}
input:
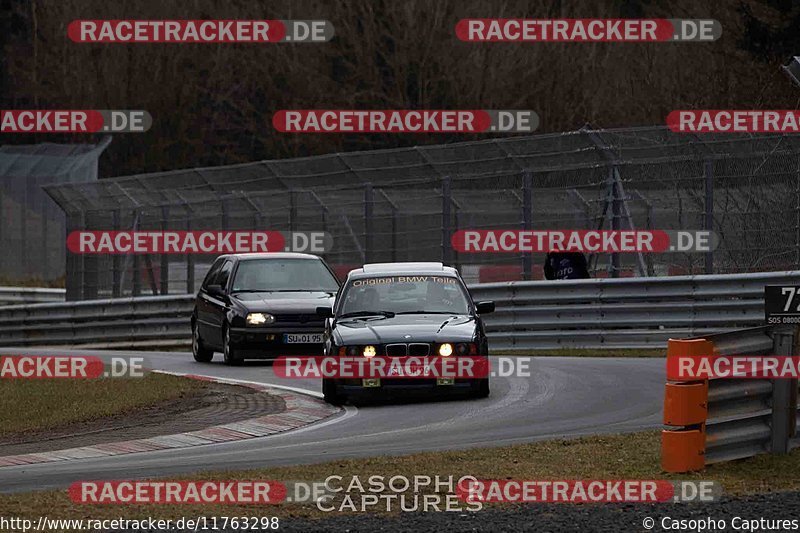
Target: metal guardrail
{"type": "Point", "coordinates": [718, 420]}
{"type": "Point", "coordinates": [744, 416]}
{"type": "Point", "coordinates": [156, 321]}
{"type": "Point", "coordinates": [29, 295]}
{"type": "Point", "coordinates": [632, 313]}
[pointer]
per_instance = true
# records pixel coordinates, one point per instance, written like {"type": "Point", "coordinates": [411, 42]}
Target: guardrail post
{"type": "Point", "coordinates": [189, 265]}
{"type": "Point", "coordinates": [45, 210]}
{"type": "Point", "coordinates": [527, 205]}
{"type": "Point", "coordinates": [393, 211]}
{"type": "Point", "coordinates": [292, 211]}
{"type": "Point", "coordinates": [454, 260]}
{"type": "Point", "coordinates": [447, 199]}
{"type": "Point", "coordinates": [116, 259]}
{"type": "Point", "coordinates": [164, 281]}
{"type": "Point", "coordinates": [136, 274]}
{"type": "Point", "coordinates": [224, 216]}
{"type": "Point", "coordinates": [24, 256]}
{"type": "Point", "coordinates": [369, 204]}
{"type": "Point", "coordinates": [72, 283]}
{"type": "Point", "coordinates": [784, 399]}
{"type": "Point", "coordinates": [708, 219]}
{"type": "Point", "coordinates": [616, 215]}
{"type": "Point", "coordinates": [91, 272]}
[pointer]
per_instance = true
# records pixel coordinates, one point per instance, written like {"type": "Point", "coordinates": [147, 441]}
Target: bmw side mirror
{"type": "Point", "coordinates": [216, 290]}
{"type": "Point", "coordinates": [325, 312]}
{"type": "Point", "coordinates": [484, 308]}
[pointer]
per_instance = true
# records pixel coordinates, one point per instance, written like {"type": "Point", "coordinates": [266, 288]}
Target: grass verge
{"type": "Point", "coordinates": [38, 404]}
{"type": "Point", "coordinates": [633, 456]}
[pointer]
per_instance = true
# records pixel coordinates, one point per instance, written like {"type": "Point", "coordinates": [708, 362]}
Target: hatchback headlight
{"type": "Point", "coordinates": [350, 351]}
{"type": "Point", "coordinates": [258, 319]}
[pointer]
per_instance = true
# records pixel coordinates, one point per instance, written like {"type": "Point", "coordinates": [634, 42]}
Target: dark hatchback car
{"type": "Point", "coordinates": [260, 306]}
{"type": "Point", "coordinates": [401, 310]}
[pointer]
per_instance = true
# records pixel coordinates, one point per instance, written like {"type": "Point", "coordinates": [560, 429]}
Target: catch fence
{"type": "Point", "coordinates": [404, 204]}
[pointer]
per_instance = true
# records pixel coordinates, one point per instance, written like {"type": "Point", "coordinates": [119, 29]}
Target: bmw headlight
{"type": "Point", "coordinates": [258, 319]}
{"type": "Point", "coordinates": [466, 348]}
{"type": "Point", "coordinates": [446, 349]}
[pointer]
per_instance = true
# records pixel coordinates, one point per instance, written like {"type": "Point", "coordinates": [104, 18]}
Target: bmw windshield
{"type": "Point", "coordinates": [390, 295]}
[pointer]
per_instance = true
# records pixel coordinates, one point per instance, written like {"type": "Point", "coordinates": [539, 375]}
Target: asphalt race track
{"type": "Point", "coordinates": [563, 397]}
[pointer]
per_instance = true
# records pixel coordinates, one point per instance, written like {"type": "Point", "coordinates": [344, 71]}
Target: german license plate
{"type": "Point", "coordinates": [410, 371]}
{"type": "Point", "coordinates": [302, 338]}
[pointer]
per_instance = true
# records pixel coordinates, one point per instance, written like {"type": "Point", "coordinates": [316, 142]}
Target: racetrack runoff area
{"type": "Point", "coordinates": [631, 456]}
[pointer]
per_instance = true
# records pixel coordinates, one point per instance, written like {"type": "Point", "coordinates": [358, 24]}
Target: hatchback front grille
{"type": "Point", "coordinates": [297, 318]}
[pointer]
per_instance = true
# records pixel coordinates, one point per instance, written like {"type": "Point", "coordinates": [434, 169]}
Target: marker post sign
{"type": "Point", "coordinates": [782, 304]}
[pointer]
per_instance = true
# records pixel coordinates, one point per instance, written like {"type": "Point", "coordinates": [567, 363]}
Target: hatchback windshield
{"type": "Point", "coordinates": [404, 294]}
{"type": "Point", "coordinates": [288, 275]}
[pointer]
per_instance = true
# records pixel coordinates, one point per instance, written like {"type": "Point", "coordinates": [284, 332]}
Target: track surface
{"type": "Point", "coordinates": [563, 397]}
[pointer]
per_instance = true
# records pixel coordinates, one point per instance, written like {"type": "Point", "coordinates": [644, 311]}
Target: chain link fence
{"type": "Point", "coordinates": [31, 224]}
{"type": "Point", "coordinates": [404, 204]}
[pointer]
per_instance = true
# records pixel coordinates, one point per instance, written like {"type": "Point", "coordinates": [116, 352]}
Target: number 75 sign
{"type": "Point", "coordinates": [782, 304]}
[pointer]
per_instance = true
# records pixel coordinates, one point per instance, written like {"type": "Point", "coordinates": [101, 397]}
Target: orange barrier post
{"type": "Point", "coordinates": [686, 407]}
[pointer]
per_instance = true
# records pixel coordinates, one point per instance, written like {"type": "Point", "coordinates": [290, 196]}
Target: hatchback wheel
{"type": "Point", "coordinates": [199, 351]}
{"type": "Point", "coordinates": [229, 352]}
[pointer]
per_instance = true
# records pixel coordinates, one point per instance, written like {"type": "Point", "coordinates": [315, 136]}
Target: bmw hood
{"type": "Point", "coordinates": [406, 328]}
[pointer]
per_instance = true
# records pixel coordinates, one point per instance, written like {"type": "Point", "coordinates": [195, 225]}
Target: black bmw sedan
{"type": "Point", "coordinates": [257, 306]}
{"type": "Point", "coordinates": [401, 311]}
